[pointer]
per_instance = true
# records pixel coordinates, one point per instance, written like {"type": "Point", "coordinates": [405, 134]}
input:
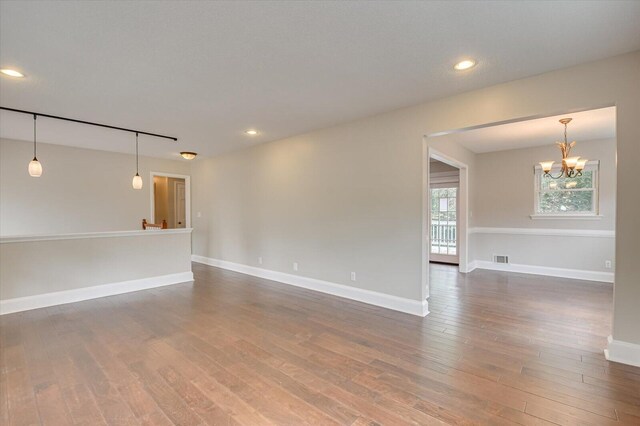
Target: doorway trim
{"type": "Point", "coordinates": [463, 210]}
{"type": "Point", "coordinates": [176, 184]}
{"type": "Point", "coordinates": [187, 195]}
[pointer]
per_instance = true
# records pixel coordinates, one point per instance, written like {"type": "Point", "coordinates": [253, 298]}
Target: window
{"type": "Point", "coordinates": [576, 196]}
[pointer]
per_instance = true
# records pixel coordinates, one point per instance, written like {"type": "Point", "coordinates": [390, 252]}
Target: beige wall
{"type": "Point", "coordinates": [582, 253]}
{"type": "Point", "coordinates": [39, 267]}
{"type": "Point", "coordinates": [80, 190]}
{"type": "Point", "coordinates": [349, 198]}
{"type": "Point", "coordinates": [504, 195]}
{"type": "Point", "coordinates": [331, 204]}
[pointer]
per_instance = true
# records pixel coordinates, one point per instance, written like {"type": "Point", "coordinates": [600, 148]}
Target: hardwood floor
{"type": "Point", "coordinates": [231, 349]}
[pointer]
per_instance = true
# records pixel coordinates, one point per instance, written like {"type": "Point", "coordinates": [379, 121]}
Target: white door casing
{"type": "Point", "coordinates": [180, 204]}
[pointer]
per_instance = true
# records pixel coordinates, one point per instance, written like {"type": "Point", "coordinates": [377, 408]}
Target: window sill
{"type": "Point", "coordinates": [567, 216]}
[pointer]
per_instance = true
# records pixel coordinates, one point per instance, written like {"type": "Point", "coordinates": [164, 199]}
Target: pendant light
{"type": "Point", "coordinates": [137, 180]}
{"type": "Point", "coordinates": [35, 168]}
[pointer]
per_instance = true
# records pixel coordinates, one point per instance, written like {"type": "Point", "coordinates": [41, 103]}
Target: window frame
{"type": "Point", "coordinates": [592, 166]}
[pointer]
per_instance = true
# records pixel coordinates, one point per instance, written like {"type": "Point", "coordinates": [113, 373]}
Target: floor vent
{"type": "Point", "coordinates": [500, 259]}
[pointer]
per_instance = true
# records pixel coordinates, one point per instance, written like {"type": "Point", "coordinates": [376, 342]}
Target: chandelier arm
{"type": "Point", "coordinates": [555, 177]}
{"type": "Point", "coordinates": [574, 173]}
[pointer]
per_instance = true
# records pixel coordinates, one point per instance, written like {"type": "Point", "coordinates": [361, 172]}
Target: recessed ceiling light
{"type": "Point", "coordinates": [251, 132]}
{"type": "Point", "coordinates": [465, 65]}
{"type": "Point", "coordinates": [11, 73]}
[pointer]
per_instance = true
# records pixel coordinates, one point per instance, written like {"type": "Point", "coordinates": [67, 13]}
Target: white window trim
{"type": "Point", "coordinates": [593, 165]}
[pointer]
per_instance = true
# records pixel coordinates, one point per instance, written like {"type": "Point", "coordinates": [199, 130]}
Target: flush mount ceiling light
{"type": "Point", "coordinates": [571, 166]}
{"type": "Point", "coordinates": [465, 65]}
{"type": "Point", "coordinates": [11, 73]}
{"type": "Point", "coordinates": [187, 155]}
{"type": "Point", "coordinates": [137, 180]}
{"type": "Point", "coordinates": [35, 168]}
{"type": "Point", "coordinates": [251, 132]}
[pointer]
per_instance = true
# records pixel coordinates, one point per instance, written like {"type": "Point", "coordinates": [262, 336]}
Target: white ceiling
{"type": "Point", "coordinates": [206, 71]}
{"type": "Point", "coordinates": [586, 125]}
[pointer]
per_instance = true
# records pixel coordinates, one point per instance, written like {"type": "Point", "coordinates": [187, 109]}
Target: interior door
{"type": "Point", "coordinates": [444, 224]}
{"type": "Point", "coordinates": [181, 205]}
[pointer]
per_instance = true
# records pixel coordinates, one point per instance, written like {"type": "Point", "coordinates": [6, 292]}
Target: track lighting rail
{"type": "Point", "coordinates": [73, 120]}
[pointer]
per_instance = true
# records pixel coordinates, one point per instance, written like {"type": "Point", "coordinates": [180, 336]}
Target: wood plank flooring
{"type": "Point", "coordinates": [497, 348]}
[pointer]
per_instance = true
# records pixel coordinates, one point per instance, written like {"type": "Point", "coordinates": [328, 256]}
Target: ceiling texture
{"type": "Point", "coordinates": [207, 71]}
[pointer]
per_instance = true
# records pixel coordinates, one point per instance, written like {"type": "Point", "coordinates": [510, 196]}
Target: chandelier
{"type": "Point", "coordinates": [571, 166]}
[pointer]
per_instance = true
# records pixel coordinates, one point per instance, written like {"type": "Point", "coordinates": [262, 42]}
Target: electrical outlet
{"type": "Point", "coordinates": [353, 276]}
{"type": "Point", "coordinates": [199, 214]}
{"type": "Point", "coordinates": [607, 264]}
{"type": "Point", "coordinates": [260, 260]}
{"type": "Point", "coordinates": [295, 266]}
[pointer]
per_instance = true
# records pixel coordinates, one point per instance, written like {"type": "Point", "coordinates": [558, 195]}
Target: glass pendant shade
{"type": "Point", "coordinates": [546, 166]}
{"type": "Point", "coordinates": [35, 168]}
{"type": "Point", "coordinates": [571, 162]}
{"type": "Point", "coordinates": [581, 163]}
{"type": "Point", "coordinates": [137, 182]}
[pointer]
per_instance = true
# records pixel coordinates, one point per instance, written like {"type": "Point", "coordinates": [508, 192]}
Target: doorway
{"type": "Point", "coordinates": [457, 239]}
{"type": "Point", "coordinates": [170, 200]}
{"type": "Point", "coordinates": [443, 226]}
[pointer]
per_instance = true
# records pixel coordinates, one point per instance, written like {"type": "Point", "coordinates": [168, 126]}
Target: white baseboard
{"type": "Point", "coordinates": [622, 352]}
{"type": "Point", "coordinates": [19, 304]}
{"type": "Point", "coordinates": [577, 274]}
{"type": "Point", "coordinates": [388, 301]}
{"type": "Point", "coordinates": [470, 266]}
